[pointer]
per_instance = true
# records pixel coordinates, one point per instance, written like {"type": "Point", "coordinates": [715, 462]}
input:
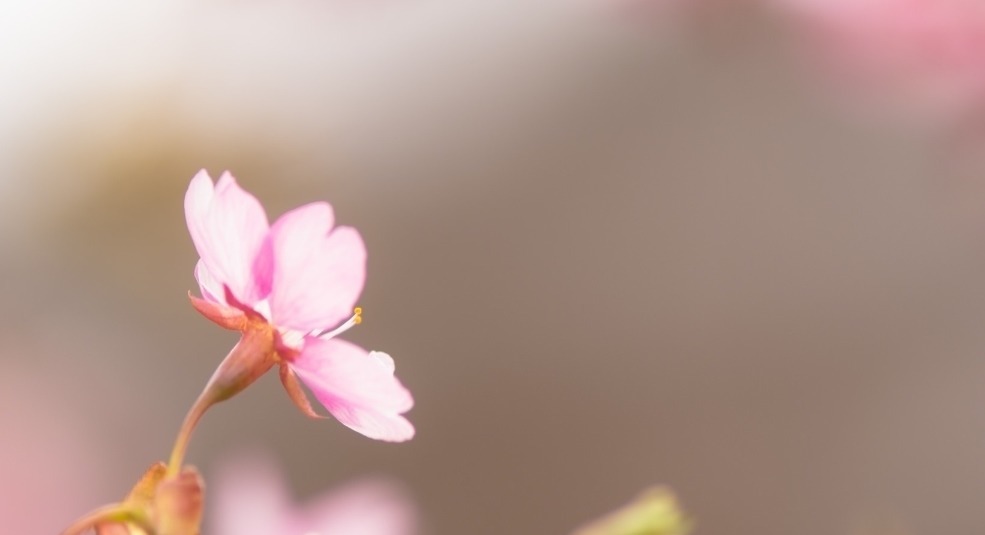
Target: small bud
{"type": "Point", "coordinates": [132, 516]}
{"type": "Point", "coordinates": [178, 504]}
{"type": "Point", "coordinates": [654, 512]}
{"type": "Point", "coordinates": [157, 505]}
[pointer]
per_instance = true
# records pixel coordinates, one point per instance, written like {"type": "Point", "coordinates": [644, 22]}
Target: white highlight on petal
{"type": "Point", "coordinates": [385, 359]}
{"type": "Point", "coordinates": [262, 307]}
{"type": "Point", "coordinates": [293, 339]}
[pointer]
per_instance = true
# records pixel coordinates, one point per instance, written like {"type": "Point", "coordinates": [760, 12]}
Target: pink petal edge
{"type": "Point", "coordinates": [356, 387]}
{"type": "Point", "coordinates": [228, 227]}
{"type": "Point", "coordinates": [318, 272]}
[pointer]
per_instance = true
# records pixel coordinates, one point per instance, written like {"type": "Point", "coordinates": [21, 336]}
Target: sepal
{"type": "Point", "coordinates": [223, 316]}
{"type": "Point", "coordinates": [296, 393]}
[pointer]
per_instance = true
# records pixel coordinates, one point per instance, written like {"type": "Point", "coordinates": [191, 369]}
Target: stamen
{"type": "Point", "coordinates": [356, 319]}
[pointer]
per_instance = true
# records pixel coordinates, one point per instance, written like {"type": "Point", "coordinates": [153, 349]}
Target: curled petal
{"type": "Point", "coordinates": [228, 227]}
{"type": "Point", "coordinates": [357, 388]}
{"type": "Point", "coordinates": [318, 272]}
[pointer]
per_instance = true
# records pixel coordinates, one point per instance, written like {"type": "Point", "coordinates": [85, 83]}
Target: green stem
{"type": "Point", "coordinates": [195, 414]}
{"type": "Point", "coordinates": [250, 358]}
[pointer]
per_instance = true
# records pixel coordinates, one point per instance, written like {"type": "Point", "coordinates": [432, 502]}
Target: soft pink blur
{"type": "Point", "coordinates": [926, 57]}
{"type": "Point", "coordinates": [51, 466]}
{"type": "Point", "coordinates": [250, 498]}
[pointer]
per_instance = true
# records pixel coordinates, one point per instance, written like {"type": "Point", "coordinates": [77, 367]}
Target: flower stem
{"type": "Point", "coordinates": [201, 405]}
{"type": "Point", "coordinates": [250, 358]}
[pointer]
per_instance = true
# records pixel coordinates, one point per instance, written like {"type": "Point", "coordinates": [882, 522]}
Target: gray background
{"type": "Point", "coordinates": [607, 248]}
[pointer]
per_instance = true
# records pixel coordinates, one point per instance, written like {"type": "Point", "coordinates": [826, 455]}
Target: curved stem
{"type": "Point", "coordinates": [250, 358]}
{"type": "Point", "coordinates": [201, 405]}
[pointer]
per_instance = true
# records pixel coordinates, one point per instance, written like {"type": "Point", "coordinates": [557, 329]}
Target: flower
{"type": "Point", "coordinates": [250, 499]}
{"type": "Point", "coordinates": [290, 288]}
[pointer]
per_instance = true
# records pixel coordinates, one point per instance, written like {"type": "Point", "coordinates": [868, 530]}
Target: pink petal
{"type": "Point", "coordinates": [318, 273]}
{"type": "Point", "coordinates": [211, 287]}
{"type": "Point", "coordinates": [356, 387]}
{"type": "Point", "coordinates": [228, 227]}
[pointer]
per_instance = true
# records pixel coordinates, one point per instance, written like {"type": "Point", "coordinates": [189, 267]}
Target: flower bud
{"type": "Point", "coordinates": [654, 512]}
{"type": "Point", "coordinates": [178, 504]}
{"type": "Point", "coordinates": [157, 505]}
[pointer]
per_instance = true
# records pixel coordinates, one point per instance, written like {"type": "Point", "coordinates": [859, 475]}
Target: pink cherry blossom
{"type": "Point", "coordinates": [290, 288]}
{"type": "Point", "coordinates": [926, 57]}
{"type": "Point", "coordinates": [250, 499]}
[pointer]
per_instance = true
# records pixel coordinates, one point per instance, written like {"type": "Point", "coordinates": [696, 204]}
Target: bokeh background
{"type": "Point", "coordinates": [611, 244]}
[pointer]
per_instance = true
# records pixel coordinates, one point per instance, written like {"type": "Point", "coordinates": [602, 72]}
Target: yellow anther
{"type": "Point", "coordinates": [358, 315]}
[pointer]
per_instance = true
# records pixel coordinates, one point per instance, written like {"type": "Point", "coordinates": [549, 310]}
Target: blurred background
{"type": "Point", "coordinates": [611, 244]}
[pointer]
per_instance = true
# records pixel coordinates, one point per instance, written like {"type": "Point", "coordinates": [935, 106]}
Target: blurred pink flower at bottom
{"type": "Point", "coordinates": [249, 498]}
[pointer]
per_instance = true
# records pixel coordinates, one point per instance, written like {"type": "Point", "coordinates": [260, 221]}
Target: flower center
{"type": "Point", "coordinates": [295, 339]}
{"type": "Point", "coordinates": [262, 307]}
{"type": "Point", "coordinates": [356, 319]}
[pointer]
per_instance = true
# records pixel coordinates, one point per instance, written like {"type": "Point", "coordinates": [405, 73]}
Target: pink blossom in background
{"type": "Point", "coordinates": [291, 286]}
{"type": "Point", "coordinates": [249, 498]}
{"type": "Point", "coordinates": [51, 465]}
{"type": "Point", "coordinates": [923, 57]}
